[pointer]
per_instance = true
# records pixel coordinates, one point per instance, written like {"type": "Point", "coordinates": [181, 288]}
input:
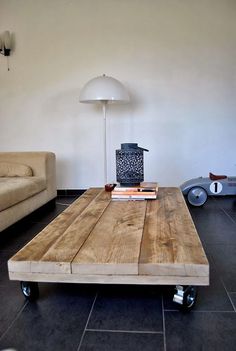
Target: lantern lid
{"type": "Point", "coordinates": [132, 146]}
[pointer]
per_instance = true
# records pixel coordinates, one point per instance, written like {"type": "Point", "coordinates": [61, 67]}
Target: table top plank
{"type": "Point", "coordinates": [171, 245]}
{"type": "Point", "coordinates": [65, 248]}
{"type": "Point", "coordinates": [113, 246]}
{"type": "Point", "coordinates": [38, 246]}
{"type": "Point", "coordinates": [110, 279]}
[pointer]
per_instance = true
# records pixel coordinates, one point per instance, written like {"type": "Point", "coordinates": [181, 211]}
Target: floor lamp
{"type": "Point", "coordinates": [104, 90]}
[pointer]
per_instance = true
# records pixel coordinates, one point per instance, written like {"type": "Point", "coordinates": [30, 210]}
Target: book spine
{"type": "Point", "coordinates": [143, 186]}
{"type": "Point", "coordinates": [136, 193]}
{"type": "Point", "coordinates": [136, 197]}
{"type": "Point", "coordinates": [135, 189]}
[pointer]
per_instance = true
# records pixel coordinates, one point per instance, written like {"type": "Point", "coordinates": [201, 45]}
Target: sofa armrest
{"type": "Point", "coordinates": [43, 164]}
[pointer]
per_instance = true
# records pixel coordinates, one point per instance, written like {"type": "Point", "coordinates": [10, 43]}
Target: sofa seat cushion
{"type": "Point", "coordinates": [16, 189]}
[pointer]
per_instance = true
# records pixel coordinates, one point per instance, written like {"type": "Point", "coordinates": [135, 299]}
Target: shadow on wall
{"type": "Point", "coordinates": [62, 170]}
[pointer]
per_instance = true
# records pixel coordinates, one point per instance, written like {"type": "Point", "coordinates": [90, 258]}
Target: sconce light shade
{"type": "Point", "coordinates": [5, 43]}
{"type": "Point", "coordinates": [7, 40]}
{"type": "Point", "coordinates": [103, 89]}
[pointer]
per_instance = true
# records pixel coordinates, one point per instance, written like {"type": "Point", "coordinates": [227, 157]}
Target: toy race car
{"type": "Point", "coordinates": [197, 190]}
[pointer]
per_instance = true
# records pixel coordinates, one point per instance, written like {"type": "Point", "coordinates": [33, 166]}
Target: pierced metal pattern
{"type": "Point", "coordinates": [129, 164]}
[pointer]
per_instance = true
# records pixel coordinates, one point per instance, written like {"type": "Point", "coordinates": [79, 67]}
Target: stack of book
{"type": "Point", "coordinates": [144, 191]}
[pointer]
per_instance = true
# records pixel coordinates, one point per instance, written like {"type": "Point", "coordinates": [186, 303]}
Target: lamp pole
{"type": "Point", "coordinates": [104, 107]}
{"type": "Point", "coordinates": [104, 89]}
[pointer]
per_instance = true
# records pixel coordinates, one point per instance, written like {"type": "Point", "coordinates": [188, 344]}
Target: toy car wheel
{"type": "Point", "coordinates": [197, 196]}
{"type": "Point", "coordinates": [30, 290]}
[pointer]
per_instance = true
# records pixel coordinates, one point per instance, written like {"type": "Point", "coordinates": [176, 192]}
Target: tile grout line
{"type": "Point", "coordinates": [61, 204]}
{"type": "Point", "coordinates": [225, 212]}
{"type": "Point", "coordinates": [124, 331]}
{"type": "Point", "coordinates": [14, 320]}
{"type": "Point", "coordinates": [228, 295]}
{"type": "Point", "coordinates": [85, 328]}
{"type": "Point", "coordinates": [222, 209]}
{"type": "Point", "coordinates": [203, 311]}
{"type": "Point", "coordinates": [163, 322]}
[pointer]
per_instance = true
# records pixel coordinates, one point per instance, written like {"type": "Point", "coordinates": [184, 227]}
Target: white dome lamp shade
{"type": "Point", "coordinates": [104, 90]}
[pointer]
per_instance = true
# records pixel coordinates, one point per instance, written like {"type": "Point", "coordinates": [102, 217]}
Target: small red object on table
{"type": "Point", "coordinates": [109, 187]}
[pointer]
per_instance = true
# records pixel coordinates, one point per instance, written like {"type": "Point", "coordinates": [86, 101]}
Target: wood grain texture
{"type": "Point", "coordinates": [170, 244]}
{"type": "Point", "coordinates": [113, 246]}
{"type": "Point", "coordinates": [109, 279]}
{"type": "Point", "coordinates": [96, 240]}
{"type": "Point", "coordinates": [59, 256]}
{"type": "Point", "coordinates": [37, 247]}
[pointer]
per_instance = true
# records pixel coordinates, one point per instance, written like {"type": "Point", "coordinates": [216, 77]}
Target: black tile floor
{"type": "Point", "coordinates": [95, 317]}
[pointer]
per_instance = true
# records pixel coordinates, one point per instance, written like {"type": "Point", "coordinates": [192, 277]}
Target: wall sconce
{"type": "Point", "coordinates": [5, 45]}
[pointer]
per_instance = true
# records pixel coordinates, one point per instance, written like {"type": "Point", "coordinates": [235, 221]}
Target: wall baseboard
{"type": "Point", "coordinates": [70, 192]}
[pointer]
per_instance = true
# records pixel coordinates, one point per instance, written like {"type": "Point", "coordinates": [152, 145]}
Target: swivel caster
{"type": "Point", "coordinates": [30, 290]}
{"type": "Point", "coordinates": [185, 296]}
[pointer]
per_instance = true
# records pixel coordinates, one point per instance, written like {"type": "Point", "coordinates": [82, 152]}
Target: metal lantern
{"type": "Point", "coordinates": [129, 164]}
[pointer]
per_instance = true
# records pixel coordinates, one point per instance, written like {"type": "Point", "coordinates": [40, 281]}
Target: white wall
{"type": "Point", "coordinates": [177, 59]}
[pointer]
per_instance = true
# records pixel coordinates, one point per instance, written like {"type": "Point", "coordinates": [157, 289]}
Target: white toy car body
{"type": "Point", "coordinates": [198, 189]}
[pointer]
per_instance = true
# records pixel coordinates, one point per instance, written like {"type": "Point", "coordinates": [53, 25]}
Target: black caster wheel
{"type": "Point", "coordinates": [185, 297]}
{"type": "Point", "coordinates": [30, 290]}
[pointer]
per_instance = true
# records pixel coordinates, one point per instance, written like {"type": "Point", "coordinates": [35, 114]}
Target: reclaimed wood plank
{"type": "Point", "coordinates": [170, 244]}
{"type": "Point", "coordinates": [59, 256]}
{"type": "Point", "coordinates": [110, 279]}
{"type": "Point", "coordinates": [113, 246]}
{"type": "Point", "coordinates": [37, 247]}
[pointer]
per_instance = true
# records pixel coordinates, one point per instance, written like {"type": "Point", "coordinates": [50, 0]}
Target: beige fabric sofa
{"type": "Point", "coordinates": [27, 181]}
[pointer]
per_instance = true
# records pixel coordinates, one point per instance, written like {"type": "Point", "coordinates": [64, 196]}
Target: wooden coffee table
{"type": "Point", "coordinates": [97, 240]}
